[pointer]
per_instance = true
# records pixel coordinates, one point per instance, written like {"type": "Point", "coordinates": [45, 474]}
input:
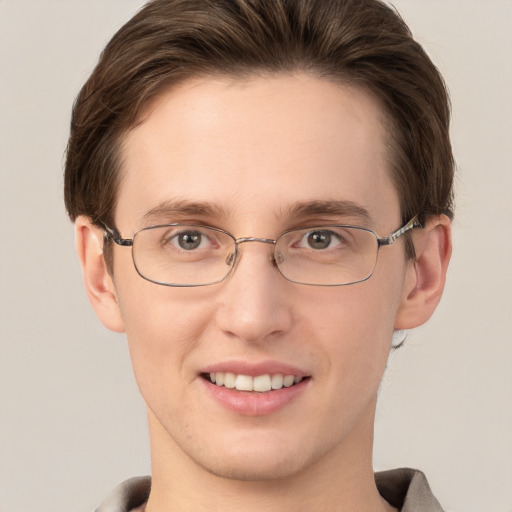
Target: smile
{"type": "Point", "coordinates": [259, 383]}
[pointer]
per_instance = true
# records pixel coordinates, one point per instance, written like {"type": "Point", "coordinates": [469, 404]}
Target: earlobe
{"type": "Point", "coordinates": [97, 280]}
{"type": "Point", "coordinates": [426, 274]}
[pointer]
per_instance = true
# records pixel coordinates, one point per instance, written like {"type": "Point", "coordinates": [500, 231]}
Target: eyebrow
{"type": "Point", "coordinates": [339, 208]}
{"type": "Point", "coordinates": [180, 207]}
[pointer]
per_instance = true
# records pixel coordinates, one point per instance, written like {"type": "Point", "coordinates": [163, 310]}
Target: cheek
{"type": "Point", "coordinates": [163, 327]}
{"type": "Point", "coordinates": [353, 327]}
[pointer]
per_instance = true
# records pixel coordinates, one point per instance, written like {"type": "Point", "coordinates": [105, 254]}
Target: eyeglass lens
{"type": "Point", "coordinates": [190, 255]}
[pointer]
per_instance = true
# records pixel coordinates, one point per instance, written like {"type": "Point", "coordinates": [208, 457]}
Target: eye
{"type": "Point", "coordinates": [189, 240]}
{"type": "Point", "coordinates": [320, 239]}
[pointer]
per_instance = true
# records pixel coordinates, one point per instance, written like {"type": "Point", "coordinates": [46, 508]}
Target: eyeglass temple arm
{"type": "Point", "coordinates": [413, 223]}
{"type": "Point", "coordinates": [116, 238]}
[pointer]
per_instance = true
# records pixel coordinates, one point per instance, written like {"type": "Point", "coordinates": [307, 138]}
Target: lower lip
{"type": "Point", "coordinates": [253, 403]}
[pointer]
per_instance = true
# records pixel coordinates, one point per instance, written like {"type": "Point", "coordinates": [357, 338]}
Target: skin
{"type": "Point", "coordinates": [254, 150]}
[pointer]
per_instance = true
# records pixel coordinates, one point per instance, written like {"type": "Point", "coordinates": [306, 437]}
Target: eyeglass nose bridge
{"type": "Point", "coordinates": [244, 239]}
{"type": "Point", "coordinates": [234, 257]}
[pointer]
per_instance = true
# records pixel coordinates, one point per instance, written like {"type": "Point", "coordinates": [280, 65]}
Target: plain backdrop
{"type": "Point", "coordinates": [72, 424]}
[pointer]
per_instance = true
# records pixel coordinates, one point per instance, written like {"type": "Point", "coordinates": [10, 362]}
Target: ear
{"type": "Point", "coordinates": [98, 282]}
{"type": "Point", "coordinates": [426, 274]}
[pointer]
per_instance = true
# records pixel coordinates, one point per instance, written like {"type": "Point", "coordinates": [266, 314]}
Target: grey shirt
{"type": "Point", "coordinates": [405, 489]}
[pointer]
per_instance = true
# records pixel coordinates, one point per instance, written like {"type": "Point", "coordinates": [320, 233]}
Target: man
{"type": "Point", "coordinates": [262, 197]}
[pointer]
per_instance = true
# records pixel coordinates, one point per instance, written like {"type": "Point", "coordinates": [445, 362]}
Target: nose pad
{"type": "Point", "coordinates": [230, 259]}
{"type": "Point", "coordinates": [233, 258]}
{"type": "Point", "coordinates": [276, 258]}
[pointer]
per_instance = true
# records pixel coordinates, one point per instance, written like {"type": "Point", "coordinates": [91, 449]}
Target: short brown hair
{"type": "Point", "coordinates": [361, 42]}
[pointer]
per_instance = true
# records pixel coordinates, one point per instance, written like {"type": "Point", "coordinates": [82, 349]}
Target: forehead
{"type": "Point", "coordinates": [259, 145]}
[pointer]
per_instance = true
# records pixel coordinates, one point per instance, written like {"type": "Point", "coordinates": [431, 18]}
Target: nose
{"type": "Point", "coordinates": [255, 300]}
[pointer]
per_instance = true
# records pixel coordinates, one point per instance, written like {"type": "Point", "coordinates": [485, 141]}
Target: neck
{"type": "Point", "coordinates": [341, 480]}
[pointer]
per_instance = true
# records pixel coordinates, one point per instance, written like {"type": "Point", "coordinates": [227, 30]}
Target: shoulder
{"type": "Point", "coordinates": [129, 496]}
{"type": "Point", "coordinates": [408, 490]}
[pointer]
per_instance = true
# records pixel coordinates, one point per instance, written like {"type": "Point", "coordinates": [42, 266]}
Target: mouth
{"type": "Point", "coordinates": [259, 383]}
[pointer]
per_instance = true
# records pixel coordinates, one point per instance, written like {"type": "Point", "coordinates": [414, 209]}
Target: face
{"type": "Point", "coordinates": [252, 158]}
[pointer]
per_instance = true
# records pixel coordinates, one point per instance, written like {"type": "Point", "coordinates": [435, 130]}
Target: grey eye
{"type": "Point", "coordinates": [319, 239]}
{"type": "Point", "coordinates": [189, 240]}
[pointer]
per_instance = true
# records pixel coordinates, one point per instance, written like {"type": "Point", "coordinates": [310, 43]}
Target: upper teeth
{"type": "Point", "coordinates": [260, 383]}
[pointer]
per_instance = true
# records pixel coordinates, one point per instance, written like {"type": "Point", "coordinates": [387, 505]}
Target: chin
{"type": "Point", "coordinates": [262, 458]}
{"type": "Point", "coordinates": [253, 469]}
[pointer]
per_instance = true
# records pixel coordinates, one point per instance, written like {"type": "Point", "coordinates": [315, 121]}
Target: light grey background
{"type": "Point", "coordinates": [71, 422]}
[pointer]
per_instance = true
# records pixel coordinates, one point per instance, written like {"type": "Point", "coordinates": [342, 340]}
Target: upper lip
{"type": "Point", "coordinates": [254, 369]}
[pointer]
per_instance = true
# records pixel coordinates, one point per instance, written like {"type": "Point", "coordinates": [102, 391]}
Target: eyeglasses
{"type": "Point", "coordinates": [192, 255]}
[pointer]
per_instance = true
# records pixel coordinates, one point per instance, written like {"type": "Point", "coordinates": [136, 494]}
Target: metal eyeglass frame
{"type": "Point", "coordinates": [114, 235]}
